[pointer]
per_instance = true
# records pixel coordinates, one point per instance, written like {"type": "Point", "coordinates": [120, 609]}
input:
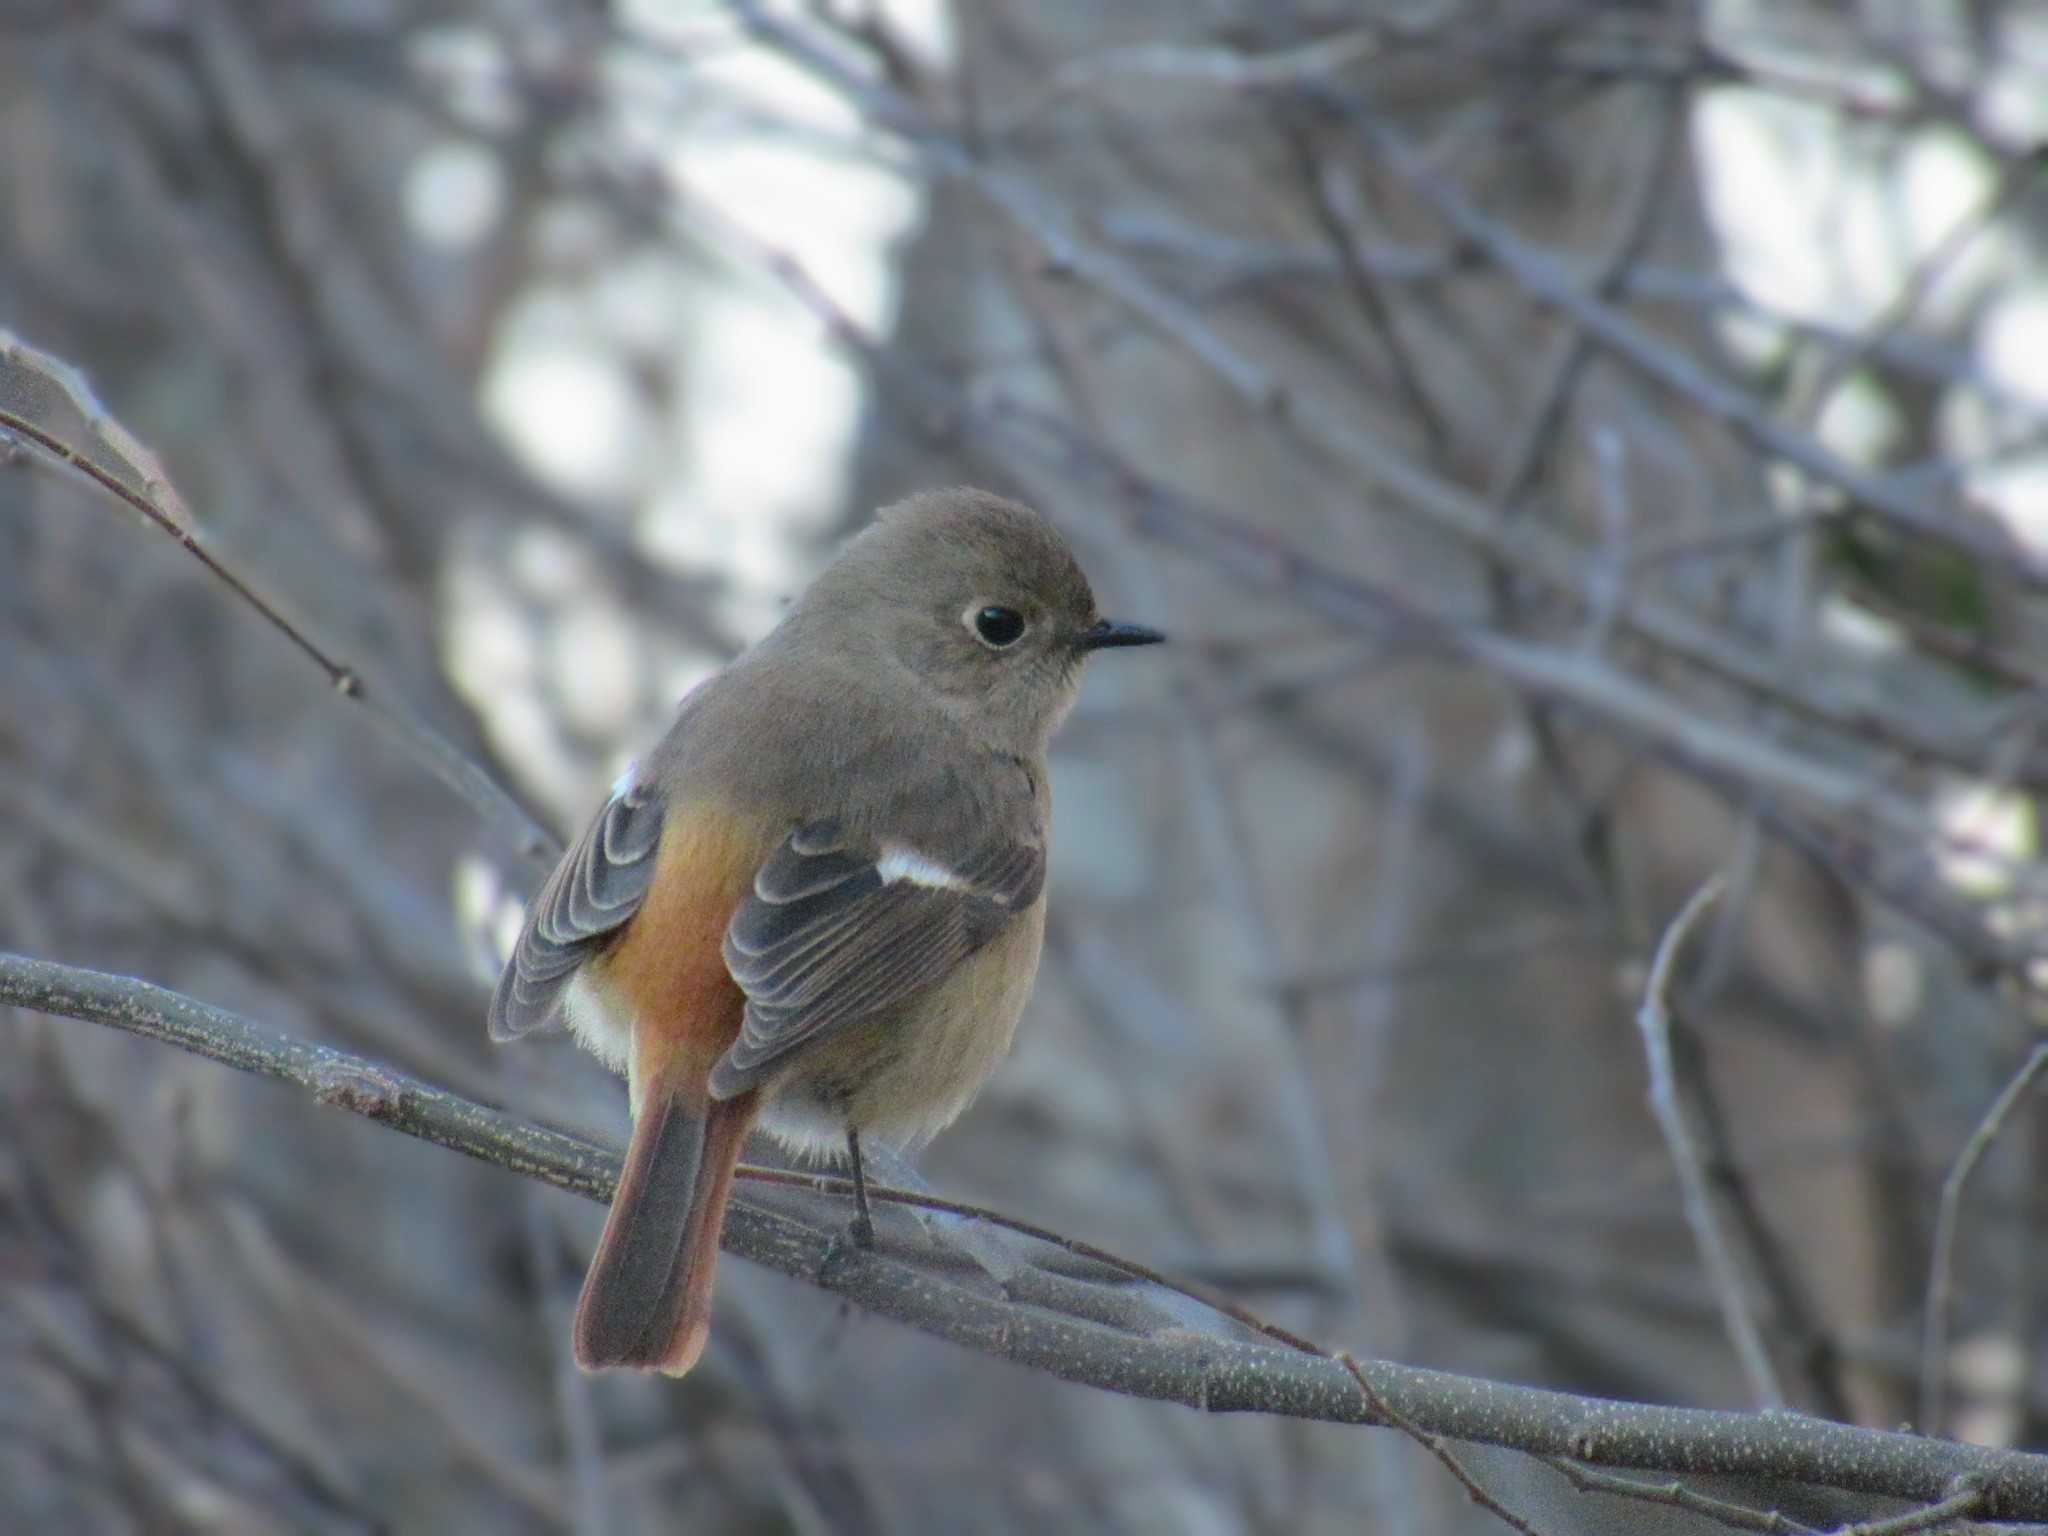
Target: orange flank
{"type": "Point", "coordinates": [647, 1298]}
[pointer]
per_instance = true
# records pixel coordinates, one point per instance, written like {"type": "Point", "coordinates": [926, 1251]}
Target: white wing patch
{"type": "Point", "coordinates": [900, 863]}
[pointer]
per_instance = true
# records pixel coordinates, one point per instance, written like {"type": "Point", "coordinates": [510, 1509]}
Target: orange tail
{"type": "Point", "coordinates": [647, 1299]}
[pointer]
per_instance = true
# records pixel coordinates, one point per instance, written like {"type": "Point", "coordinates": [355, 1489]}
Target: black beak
{"type": "Point", "coordinates": [1105, 633]}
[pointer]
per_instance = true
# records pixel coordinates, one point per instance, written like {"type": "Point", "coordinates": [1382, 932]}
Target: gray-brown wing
{"type": "Point", "coordinates": [835, 931]}
{"type": "Point", "coordinates": [599, 884]}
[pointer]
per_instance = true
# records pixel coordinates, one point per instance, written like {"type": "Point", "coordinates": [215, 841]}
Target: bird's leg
{"type": "Point", "coordinates": [863, 1224]}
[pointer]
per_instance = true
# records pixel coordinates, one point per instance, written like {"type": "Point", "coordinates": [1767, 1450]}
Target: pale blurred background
{"type": "Point", "coordinates": [505, 346]}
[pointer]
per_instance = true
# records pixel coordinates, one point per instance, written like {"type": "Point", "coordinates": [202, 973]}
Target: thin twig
{"type": "Point", "coordinates": [586, 1490]}
{"type": "Point", "coordinates": [1332, 212]}
{"type": "Point", "coordinates": [1225, 264]}
{"type": "Point", "coordinates": [1677, 1495]}
{"type": "Point", "coordinates": [1548, 283]}
{"type": "Point", "coordinates": [1608, 275]}
{"type": "Point", "coordinates": [1966, 1502]}
{"type": "Point", "coordinates": [1859, 347]}
{"type": "Point", "coordinates": [1434, 1444]}
{"type": "Point", "coordinates": [1940, 1269]}
{"type": "Point", "coordinates": [1793, 1311]}
{"type": "Point", "coordinates": [1654, 1020]}
{"type": "Point", "coordinates": [160, 505]}
{"type": "Point", "coordinates": [1961, 647]}
{"type": "Point", "coordinates": [917, 1199]}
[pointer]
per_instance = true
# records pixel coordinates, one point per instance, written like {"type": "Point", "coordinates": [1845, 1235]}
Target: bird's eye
{"type": "Point", "coordinates": [998, 627]}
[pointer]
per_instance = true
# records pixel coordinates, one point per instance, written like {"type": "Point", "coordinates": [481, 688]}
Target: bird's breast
{"type": "Point", "coordinates": [907, 1074]}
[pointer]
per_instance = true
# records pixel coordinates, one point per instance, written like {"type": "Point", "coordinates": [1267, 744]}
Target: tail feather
{"type": "Point", "coordinates": [647, 1297]}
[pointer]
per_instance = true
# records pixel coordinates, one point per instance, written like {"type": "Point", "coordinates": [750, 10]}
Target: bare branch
{"type": "Point", "coordinates": [1961, 1505]}
{"type": "Point", "coordinates": [160, 505]}
{"type": "Point", "coordinates": [1548, 283]}
{"type": "Point", "coordinates": [1677, 1495]}
{"type": "Point", "coordinates": [1434, 1444]}
{"type": "Point", "coordinates": [1746, 767]}
{"type": "Point", "coordinates": [1654, 1019]}
{"type": "Point", "coordinates": [1529, 551]}
{"type": "Point", "coordinates": [1054, 1324]}
{"type": "Point", "coordinates": [1934, 1334]}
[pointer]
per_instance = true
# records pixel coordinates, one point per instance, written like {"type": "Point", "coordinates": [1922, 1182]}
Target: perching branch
{"type": "Point", "coordinates": [1054, 1323]}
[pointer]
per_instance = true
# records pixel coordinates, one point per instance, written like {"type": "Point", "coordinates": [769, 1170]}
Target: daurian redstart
{"type": "Point", "coordinates": [818, 904]}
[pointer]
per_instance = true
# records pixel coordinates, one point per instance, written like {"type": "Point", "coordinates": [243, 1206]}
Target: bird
{"type": "Point", "coordinates": [817, 906]}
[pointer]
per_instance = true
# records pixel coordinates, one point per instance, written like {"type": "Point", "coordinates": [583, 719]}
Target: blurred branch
{"type": "Point", "coordinates": [1792, 1310]}
{"type": "Point", "coordinates": [1742, 764]}
{"type": "Point", "coordinates": [1256, 555]}
{"type": "Point", "coordinates": [586, 1475]}
{"type": "Point", "coordinates": [1435, 1445]}
{"type": "Point", "coordinates": [1594, 47]}
{"type": "Point", "coordinates": [1676, 1495]}
{"type": "Point", "coordinates": [1057, 1326]}
{"type": "Point", "coordinates": [1228, 262]}
{"type": "Point", "coordinates": [1646, 194]}
{"type": "Point", "coordinates": [1533, 444]}
{"type": "Point", "coordinates": [1654, 1020]}
{"type": "Point", "coordinates": [160, 505]}
{"type": "Point", "coordinates": [1328, 430]}
{"type": "Point", "coordinates": [1934, 1349]}
{"type": "Point", "coordinates": [1549, 283]}
{"type": "Point", "coordinates": [171, 1425]}
{"type": "Point", "coordinates": [1856, 350]}
{"type": "Point", "coordinates": [1332, 199]}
